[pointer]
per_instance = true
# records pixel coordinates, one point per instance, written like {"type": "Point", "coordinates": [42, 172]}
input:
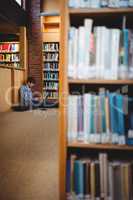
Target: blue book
{"type": "Point", "coordinates": [120, 114]}
{"type": "Point", "coordinates": [113, 116]}
{"type": "Point", "coordinates": [125, 33]}
{"type": "Point", "coordinates": [68, 177]}
{"type": "Point", "coordinates": [78, 178]}
{"type": "Point", "coordinates": [92, 128]}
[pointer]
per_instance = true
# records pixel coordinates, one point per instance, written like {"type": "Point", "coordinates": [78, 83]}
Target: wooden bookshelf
{"type": "Point", "coordinates": [100, 146]}
{"type": "Point", "coordinates": [74, 17]}
{"type": "Point", "coordinates": [82, 81]}
{"type": "Point", "coordinates": [15, 74]}
{"type": "Point", "coordinates": [99, 11]}
{"type": "Point", "coordinates": [50, 26]}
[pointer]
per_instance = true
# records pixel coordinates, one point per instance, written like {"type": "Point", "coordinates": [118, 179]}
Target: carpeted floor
{"type": "Point", "coordinates": [29, 155]}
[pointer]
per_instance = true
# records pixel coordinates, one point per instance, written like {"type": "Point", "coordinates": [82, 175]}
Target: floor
{"type": "Point", "coordinates": [29, 155]}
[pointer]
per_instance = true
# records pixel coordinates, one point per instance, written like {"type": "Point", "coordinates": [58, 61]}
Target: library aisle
{"type": "Point", "coordinates": [29, 155]}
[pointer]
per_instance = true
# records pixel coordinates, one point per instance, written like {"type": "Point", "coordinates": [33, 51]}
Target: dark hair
{"type": "Point", "coordinates": [31, 80]}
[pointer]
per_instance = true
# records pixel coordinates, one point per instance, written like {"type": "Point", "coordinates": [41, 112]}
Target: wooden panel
{"type": "Point", "coordinates": [5, 89]}
{"type": "Point", "coordinates": [18, 80]}
{"type": "Point", "coordinates": [63, 92]}
{"type": "Point", "coordinates": [51, 37]}
{"type": "Point", "coordinates": [52, 19]}
{"type": "Point", "coordinates": [23, 47]}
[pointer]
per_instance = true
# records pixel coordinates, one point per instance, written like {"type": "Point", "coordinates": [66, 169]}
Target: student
{"type": "Point", "coordinates": [26, 96]}
{"type": "Point", "coordinates": [26, 99]}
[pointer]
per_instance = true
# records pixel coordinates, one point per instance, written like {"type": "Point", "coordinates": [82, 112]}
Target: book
{"type": "Point", "coordinates": [99, 118]}
{"type": "Point", "coordinates": [101, 178]}
{"type": "Point", "coordinates": [93, 60]}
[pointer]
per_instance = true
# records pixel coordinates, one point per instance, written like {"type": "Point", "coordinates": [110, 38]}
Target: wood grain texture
{"type": "Point", "coordinates": [5, 87]}
{"type": "Point", "coordinates": [29, 155]}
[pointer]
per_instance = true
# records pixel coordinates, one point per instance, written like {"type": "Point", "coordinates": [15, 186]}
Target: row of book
{"type": "Point", "coordinates": [51, 85]}
{"type": "Point", "coordinates": [14, 64]}
{"type": "Point", "coordinates": [51, 57]}
{"type": "Point", "coordinates": [104, 53]}
{"type": "Point", "coordinates": [51, 75]}
{"type": "Point", "coordinates": [51, 94]}
{"type": "Point", "coordinates": [95, 179]}
{"type": "Point", "coordinates": [100, 3]}
{"type": "Point", "coordinates": [51, 66]}
{"type": "Point", "coordinates": [9, 57]}
{"type": "Point", "coordinates": [100, 119]}
{"type": "Point", "coordinates": [9, 47]}
{"type": "Point", "coordinates": [51, 46]}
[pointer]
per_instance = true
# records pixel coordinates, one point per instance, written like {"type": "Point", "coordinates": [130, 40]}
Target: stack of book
{"type": "Point", "coordinates": [100, 3]}
{"type": "Point", "coordinates": [105, 53]}
{"type": "Point", "coordinates": [100, 119]}
{"type": "Point", "coordinates": [90, 179]}
{"type": "Point", "coordinates": [9, 47]}
{"type": "Point", "coordinates": [9, 57]}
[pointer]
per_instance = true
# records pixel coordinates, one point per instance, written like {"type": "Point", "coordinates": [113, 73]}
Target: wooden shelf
{"type": "Point", "coordinates": [99, 11]}
{"type": "Point", "coordinates": [6, 67]}
{"type": "Point", "coordinates": [10, 52]}
{"type": "Point", "coordinates": [50, 70]}
{"type": "Point", "coordinates": [12, 42]}
{"type": "Point", "coordinates": [50, 51]}
{"type": "Point", "coordinates": [100, 146]}
{"type": "Point", "coordinates": [8, 61]}
{"type": "Point", "coordinates": [50, 61]}
{"type": "Point", "coordinates": [82, 81]}
{"type": "Point", "coordinates": [50, 89]}
{"type": "Point", "coordinates": [51, 79]}
{"type": "Point", "coordinates": [21, 69]}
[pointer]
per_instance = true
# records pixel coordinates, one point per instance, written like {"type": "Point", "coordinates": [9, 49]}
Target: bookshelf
{"type": "Point", "coordinates": [50, 52]}
{"type": "Point", "coordinates": [109, 17]}
{"type": "Point", "coordinates": [13, 66]}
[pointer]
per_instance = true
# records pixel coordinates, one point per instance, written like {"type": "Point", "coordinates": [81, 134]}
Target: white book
{"type": "Point", "coordinates": [75, 53]}
{"type": "Point", "coordinates": [88, 30]}
{"type": "Point", "coordinates": [77, 3]}
{"type": "Point", "coordinates": [131, 3]}
{"type": "Point", "coordinates": [71, 38]}
{"type": "Point", "coordinates": [95, 3]}
{"type": "Point", "coordinates": [114, 3]}
{"type": "Point", "coordinates": [71, 3]}
{"type": "Point", "coordinates": [88, 3]}
{"type": "Point", "coordinates": [102, 52]}
{"type": "Point", "coordinates": [98, 49]}
{"type": "Point", "coordinates": [81, 71]}
{"type": "Point", "coordinates": [104, 3]}
{"type": "Point", "coordinates": [123, 3]}
{"type": "Point", "coordinates": [107, 63]}
{"type": "Point", "coordinates": [115, 52]}
{"type": "Point", "coordinates": [87, 120]}
{"type": "Point", "coordinates": [72, 118]}
{"type": "Point", "coordinates": [82, 4]}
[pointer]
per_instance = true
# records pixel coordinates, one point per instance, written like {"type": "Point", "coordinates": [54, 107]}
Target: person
{"type": "Point", "coordinates": [26, 99]}
{"type": "Point", "coordinates": [25, 93]}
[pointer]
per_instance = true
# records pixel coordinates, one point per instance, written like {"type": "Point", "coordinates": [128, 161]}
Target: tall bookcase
{"type": "Point", "coordinates": [50, 51]}
{"type": "Point", "coordinates": [110, 17]}
{"type": "Point", "coordinates": [13, 66]}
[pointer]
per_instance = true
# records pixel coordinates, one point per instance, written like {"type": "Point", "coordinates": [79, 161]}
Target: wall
{"type": "Point", "coordinates": [50, 5]}
{"type": "Point", "coordinates": [35, 43]}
